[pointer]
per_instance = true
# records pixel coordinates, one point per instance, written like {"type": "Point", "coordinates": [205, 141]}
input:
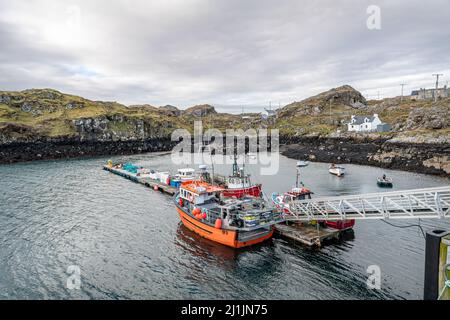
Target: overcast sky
{"type": "Point", "coordinates": [229, 53]}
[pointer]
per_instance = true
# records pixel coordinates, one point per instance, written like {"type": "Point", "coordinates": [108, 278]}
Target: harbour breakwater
{"type": "Point", "coordinates": [428, 158]}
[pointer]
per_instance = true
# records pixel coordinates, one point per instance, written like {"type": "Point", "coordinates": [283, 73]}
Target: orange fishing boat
{"type": "Point", "coordinates": [232, 222]}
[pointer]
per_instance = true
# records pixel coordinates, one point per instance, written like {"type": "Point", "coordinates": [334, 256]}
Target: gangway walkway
{"type": "Point", "coordinates": [406, 204]}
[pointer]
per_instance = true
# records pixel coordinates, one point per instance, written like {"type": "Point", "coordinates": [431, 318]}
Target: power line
{"type": "Point", "coordinates": [402, 84]}
{"type": "Point", "coordinates": [437, 75]}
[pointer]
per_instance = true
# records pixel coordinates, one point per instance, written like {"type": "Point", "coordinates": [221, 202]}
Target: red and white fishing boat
{"type": "Point", "coordinates": [283, 202]}
{"type": "Point", "coordinates": [239, 184]}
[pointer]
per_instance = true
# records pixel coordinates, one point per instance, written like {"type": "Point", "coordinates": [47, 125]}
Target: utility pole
{"type": "Point", "coordinates": [402, 84]}
{"type": "Point", "coordinates": [437, 75]}
{"type": "Point", "coordinates": [331, 120]}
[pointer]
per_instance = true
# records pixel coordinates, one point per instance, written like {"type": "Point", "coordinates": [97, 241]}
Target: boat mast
{"type": "Point", "coordinates": [297, 176]}
{"type": "Point", "coordinates": [235, 165]}
{"type": "Point", "coordinates": [212, 167]}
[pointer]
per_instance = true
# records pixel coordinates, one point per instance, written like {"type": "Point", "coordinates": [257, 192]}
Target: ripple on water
{"type": "Point", "coordinates": [129, 243]}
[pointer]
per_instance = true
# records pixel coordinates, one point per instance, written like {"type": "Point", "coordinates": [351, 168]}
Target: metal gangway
{"type": "Point", "coordinates": [406, 204]}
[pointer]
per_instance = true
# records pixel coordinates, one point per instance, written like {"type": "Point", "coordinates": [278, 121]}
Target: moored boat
{"type": "Point", "coordinates": [302, 163]}
{"type": "Point", "coordinates": [336, 170]}
{"type": "Point", "coordinates": [185, 174]}
{"type": "Point", "coordinates": [232, 222]}
{"type": "Point", "coordinates": [239, 185]}
{"type": "Point", "coordinates": [284, 201]}
{"type": "Point", "coordinates": [384, 182]}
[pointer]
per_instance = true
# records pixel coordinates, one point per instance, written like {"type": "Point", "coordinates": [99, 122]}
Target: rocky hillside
{"type": "Point", "coordinates": [48, 114]}
{"type": "Point", "coordinates": [46, 123]}
{"type": "Point", "coordinates": [326, 115]}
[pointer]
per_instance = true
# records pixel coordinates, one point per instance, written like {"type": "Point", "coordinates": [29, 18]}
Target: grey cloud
{"type": "Point", "coordinates": [224, 52]}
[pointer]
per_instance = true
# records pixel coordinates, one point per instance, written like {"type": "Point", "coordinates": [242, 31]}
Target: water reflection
{"type": "Point", "coordinates": [129, 241]}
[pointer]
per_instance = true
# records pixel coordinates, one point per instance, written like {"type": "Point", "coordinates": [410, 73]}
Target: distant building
{"type": "Point", "coordinates": [428, 94]}
{"type": "Point", "coordinates": [266, 114]}
{"type": "Point", "coordinates": [367, 124]}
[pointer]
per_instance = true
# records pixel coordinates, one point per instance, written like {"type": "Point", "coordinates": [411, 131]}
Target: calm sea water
{"type": "Point", "coordinates": [128, 242]}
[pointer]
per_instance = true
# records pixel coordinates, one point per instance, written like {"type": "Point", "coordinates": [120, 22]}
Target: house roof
{"type": "Point", "coordinates": [360, 119]}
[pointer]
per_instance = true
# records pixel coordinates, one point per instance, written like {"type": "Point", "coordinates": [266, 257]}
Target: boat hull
{"type": "Point", "coordinates": [225, 237]}
{"type": "Point", "coordinates": [254, 191]}
{"type": "Point", "coordinates": [337, 172]}
{"type": "Point", "coordinates": [385, 184]}
{"type": "Point", "coordinates": [341, 225]}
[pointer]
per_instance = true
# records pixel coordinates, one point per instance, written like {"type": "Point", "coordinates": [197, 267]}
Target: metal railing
{"type": "Point", "coordinates": [406, 204]}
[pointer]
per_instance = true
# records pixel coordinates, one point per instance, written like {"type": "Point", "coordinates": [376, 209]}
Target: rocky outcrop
{"type": "Point", "coordinates": [14, 132]}
{"type": "Point", "coordinates": [316, 105]}
{"type": "Point", "coordinates": [170, 110]}
{"type": "Point", "coordinates": [200, 110]}
{"type": "Point", "coordinates": [116, 128]}
{"type": "Point", "coordinates": [441, 163]}
{"type": "Point", "coordinates": [437, 117]}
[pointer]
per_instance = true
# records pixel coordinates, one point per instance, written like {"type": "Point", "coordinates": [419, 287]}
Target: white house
{"type": "Point", "coordinates": [364, 123]}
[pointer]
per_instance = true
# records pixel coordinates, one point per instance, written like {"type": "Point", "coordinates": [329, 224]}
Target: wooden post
{"type": "Point", "coordinates": [434, 262]}
{"type": "Point", "coordinates": [444, 258]}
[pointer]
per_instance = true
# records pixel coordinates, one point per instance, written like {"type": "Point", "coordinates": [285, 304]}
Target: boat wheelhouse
{"type": "Point", "coordinates": [185, 174]}
{"type": "Point", "coordinates": [282, 201]}
{"type": "Point", "coordinates": [232, 222]}
{"type": "Point", "coordinates": [239, 184]}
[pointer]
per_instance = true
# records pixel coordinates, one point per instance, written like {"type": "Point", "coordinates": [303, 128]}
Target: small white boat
{"type": "Point", "coordinates": [336, 170]}
{"type": "Point", "coordinates": [185, 174]}
{"type": "Point", "coordinates": [302, 163]}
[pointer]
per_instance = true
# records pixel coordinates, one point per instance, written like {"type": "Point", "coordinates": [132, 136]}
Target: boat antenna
{"type": "Point", "coordinates": [212, 167]}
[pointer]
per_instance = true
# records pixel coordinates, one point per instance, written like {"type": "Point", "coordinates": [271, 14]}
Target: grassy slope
{"type": "Point", "coordinates": [391, 111]}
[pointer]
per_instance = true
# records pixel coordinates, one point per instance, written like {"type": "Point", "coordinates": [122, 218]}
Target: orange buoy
{"type": "Point", "coordinates": [156, 188]}
{"type": "Point", "coordinates": [218, 224]}
{"type": "Point", "coordinates": [204, 215]}
{"type": "Point", "coordinates": [196, 211]}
